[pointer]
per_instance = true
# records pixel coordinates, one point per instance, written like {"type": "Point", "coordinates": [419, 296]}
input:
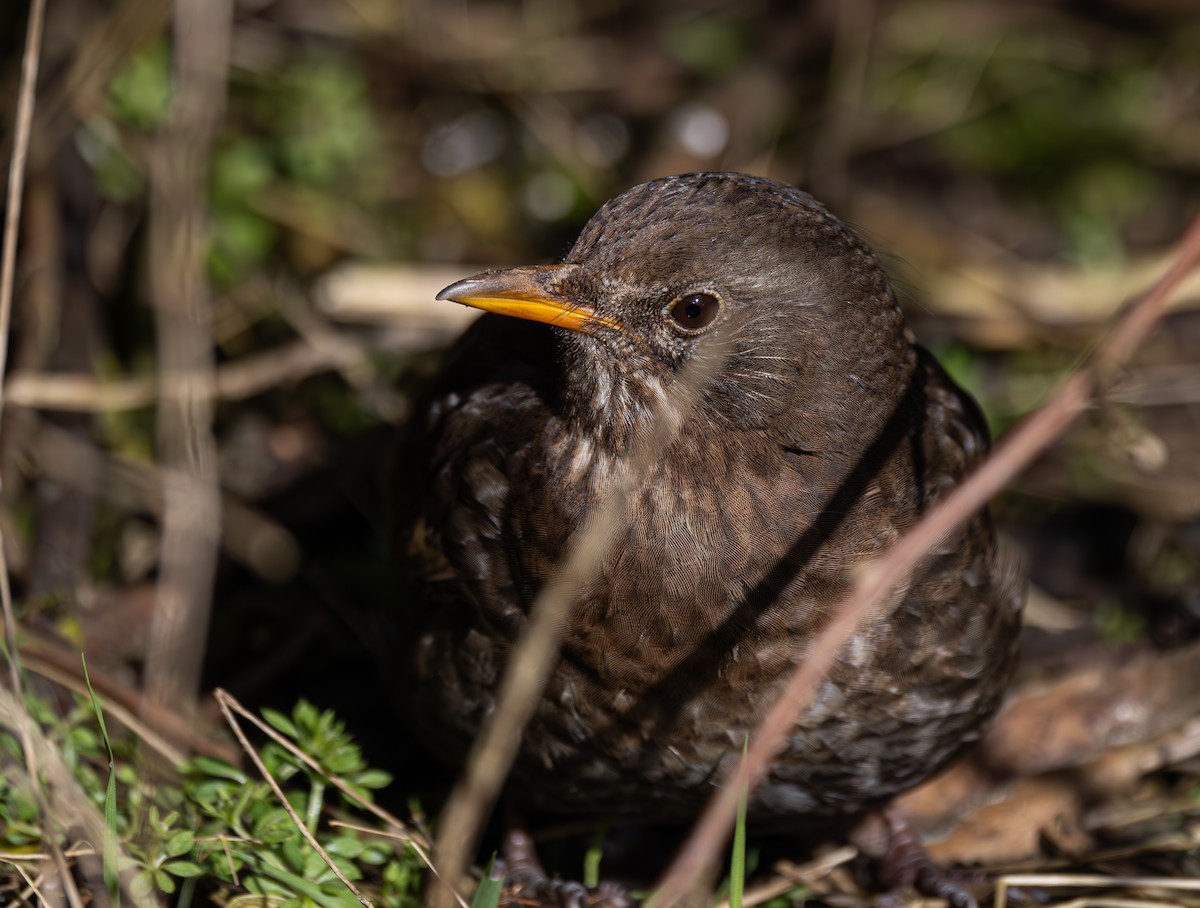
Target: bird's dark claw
{"type": "Point", "coordinates": [525, 874]}
{"type": "Point", "coordinates": [907, 865]}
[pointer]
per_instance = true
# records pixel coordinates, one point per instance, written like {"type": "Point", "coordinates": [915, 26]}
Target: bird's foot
{"type": "Point", "coordinates": [906, 865]}
{"type": "Point", "coordinates": [525, 874]}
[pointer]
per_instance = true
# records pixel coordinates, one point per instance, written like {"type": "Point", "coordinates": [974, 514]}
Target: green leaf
{"type": "Point", "coordinates": [372, 778]}
{"type": "Point", "coordinates": [164, 881]}
{"type": "Point", "coordinates": [299, 884]}
{"type": "Point", "coordinates": [345, 846]}
{"type": "Point", "coordinates": [274, 826]}
{"type": "Point", "coordinates": [110, 798]}
{"type": "Point", "coordinates": [280, 722]}
{"type": "Point", "coordinates": [141, 92]}
{"type": "Point", "coordinates": [179, 842]}
{"type": "Point", "coordinates": [183, 869]}
{"type": "Point", "coordinates": [218, 768]}
{"type": "Point", "coordinates": [142, 884]}
{"type": "Point", "coordinates": [487, 894]}
{"type": "Point", "coordinates": [737, 861]}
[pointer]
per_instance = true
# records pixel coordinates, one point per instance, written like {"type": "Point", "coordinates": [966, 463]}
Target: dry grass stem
{"type": "Point", "coordinates": [875, 580]}
{"type": "Point", "coordinates": [245, 377]}
{"type": "Point", "coordinates": [533, 656]}
{"type": "Point", "coordinates": [408, 836]}
{"type": "Point", "coordinates": [1098, 881]}
{"type": "Point", "coordinates": [140, 728]}
{"type": "Point", "coordinates": [18, 719]}
{"type": "Point", "coordinates": [56, 664]}
{"type": "Point", "coordinates": [788, 876]}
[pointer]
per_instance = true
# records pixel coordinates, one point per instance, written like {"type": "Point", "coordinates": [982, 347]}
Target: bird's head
{"type": "Point", "coordinates": [724, 264]}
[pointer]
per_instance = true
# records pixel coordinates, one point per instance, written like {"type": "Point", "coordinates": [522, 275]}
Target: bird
{"type": "Point", "coordinates": [817, 434]}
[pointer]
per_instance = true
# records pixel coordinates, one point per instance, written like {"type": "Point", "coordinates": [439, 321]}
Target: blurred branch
{"type": "Point", "coordinates": [250, 537]}
{"type": "Point", "coordinates": [178, 247]}
{"type": "Point", "coordinates": [161, 729]}
{"type": "Point", "coordinates": [878, 578]}
{"type": "Point", "coordinates": [244, 378]}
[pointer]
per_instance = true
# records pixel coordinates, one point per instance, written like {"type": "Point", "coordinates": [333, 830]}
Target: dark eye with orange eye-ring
{"type": "Point", "coordinates": [694, 311]}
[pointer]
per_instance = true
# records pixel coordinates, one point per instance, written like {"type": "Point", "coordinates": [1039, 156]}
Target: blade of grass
{"type": "Point", "coordinates": [487, 895]}
{"type": "Point", "coordinates": [110, 798]}
{"type": "Point", "coordinates": [591, 860]}
{"type": "Point", "coordinates": [737, 860]}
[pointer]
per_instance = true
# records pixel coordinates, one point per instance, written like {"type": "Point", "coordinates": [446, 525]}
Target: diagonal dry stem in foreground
{"type": "Point", "coordinates": [876, 579]}
{"type": "Point", "coordinates": [533, 655]}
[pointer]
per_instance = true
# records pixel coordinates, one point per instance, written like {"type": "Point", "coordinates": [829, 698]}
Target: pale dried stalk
{"type": "Point", "coordinates": [22, 723]}
{"type": "Point", "coordinates": [876, 579]}
{"type": "Point", "coordinates": [191, 497]}
{"type": "Point", "coordinates": [242, 378]}
{"type": "Point", "coordinates": [532, 657]}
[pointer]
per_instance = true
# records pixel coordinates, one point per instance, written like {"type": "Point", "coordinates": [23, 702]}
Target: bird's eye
{"type": "Point", "coordinates": [694, 311]}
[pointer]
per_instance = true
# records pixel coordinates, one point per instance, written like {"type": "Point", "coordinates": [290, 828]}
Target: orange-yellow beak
{"type": "Point", "coordinates": [527, 293]}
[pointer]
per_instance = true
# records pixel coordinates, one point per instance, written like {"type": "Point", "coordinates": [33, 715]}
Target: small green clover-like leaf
{"type": "Point", "coordinates": [307, 716]}
{"type": "Point", "coordinates": [280, 722]}
{"type": "Point", "coordinates": [142, 884]}
{"type": "Point", "coordinates": [345, 846]}
{"type": "Point", "coordinates": [274, 826]}
{"type": "Point", "coordinates": [181, 841]}
{"type": "Point", "coordinates": [374, 855]}
{"type": "Point", "coordinates": [183, 869]}
{"type": "Point", "coordinates": [218, 769]}
{"type": "Point", "coordinates": [372, 778]}
{"type": "Point", "coordinates": [164, 881]}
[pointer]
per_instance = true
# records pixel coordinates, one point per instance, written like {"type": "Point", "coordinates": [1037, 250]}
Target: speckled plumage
{"type": "Point", "coordinates": [823, 437]}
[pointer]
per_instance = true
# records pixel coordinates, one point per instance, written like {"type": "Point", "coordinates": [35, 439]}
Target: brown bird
{"type": "Point", "coordinates": [822, 436]}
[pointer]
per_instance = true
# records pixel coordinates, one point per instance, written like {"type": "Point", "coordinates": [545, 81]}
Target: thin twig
{"type": "Point", "coordinates": [1091, 880]}
{"type": "Point", "coordinates": [16, 173]}
{"type": "Point", "coordinates": [30, 62]}
{"type": "Point", "coordinates": [532, 657]}
{"type": "Point", "coordinates": [62, 667]}
{"type": "Point", "coordinates": [877, 579]}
